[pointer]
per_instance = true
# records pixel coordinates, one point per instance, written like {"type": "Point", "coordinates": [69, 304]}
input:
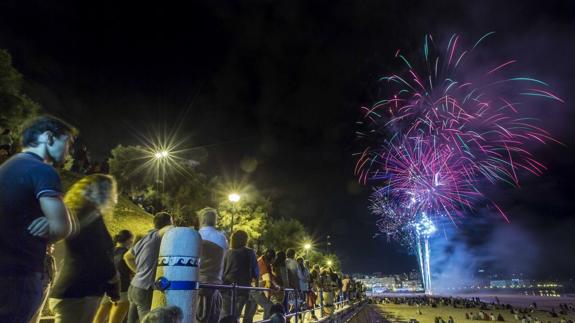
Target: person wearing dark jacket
{"type": "Point", "coordinates": [88, 270]}
{"type": "Point", "coordinates": [280, 276]}
{"type": "Point", "coordinates": [241, 268]}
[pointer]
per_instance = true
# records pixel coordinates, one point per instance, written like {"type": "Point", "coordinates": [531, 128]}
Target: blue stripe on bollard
{"type": "Point", "coordinates": [163, 284]}
{"type": "Point", "coordinates": [182, 285]}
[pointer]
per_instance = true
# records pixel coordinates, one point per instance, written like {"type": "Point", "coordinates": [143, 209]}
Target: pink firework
{"type": "Point", "coordinates": [475, 111]}
{"type": "Point", "coordinates": [424, 177]}
{"type": "Point", "coordinates": [452, 123]}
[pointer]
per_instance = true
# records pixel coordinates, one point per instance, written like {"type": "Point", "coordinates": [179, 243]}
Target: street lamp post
{"type": "Point", "coordinates": [234, 198]}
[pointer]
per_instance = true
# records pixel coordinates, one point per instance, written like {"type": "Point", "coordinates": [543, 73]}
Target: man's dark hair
{"type": "Point", "coordinates": [280, 260]}
{"type": "Point", "coordinates": [162, 219]}
{"type": "Point", "coordinates": [123, 236]}
{"type": "Point", "coordinates": [239, 239]}
{"type": "Point", "coordinates": [269, 255]}
{"type": "Point", "coordinates": [35, 127]}
{"type": "Point", "coordinates": [290, 253]}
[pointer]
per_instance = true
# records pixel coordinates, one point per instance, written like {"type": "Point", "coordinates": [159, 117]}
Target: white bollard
{"type": "Point", "coordinates": [177, 272]}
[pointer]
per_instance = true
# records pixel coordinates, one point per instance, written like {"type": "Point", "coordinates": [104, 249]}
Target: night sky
{"type": "Point", "coordinates": [281, 83]}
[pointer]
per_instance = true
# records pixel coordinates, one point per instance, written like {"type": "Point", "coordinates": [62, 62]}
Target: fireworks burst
{"type": "Point", "coordinates": [425, 177]}
{"type": "Point", "coordinates": [446, 123]}
{"type": "Point", "coordinates": [478, 114]}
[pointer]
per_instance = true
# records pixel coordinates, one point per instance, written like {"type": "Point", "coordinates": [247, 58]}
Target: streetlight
{"type": "Point", "coordinates": [307, 247]}
{"type": "Point", "coordinates": [161, 160]}
{"type": "Point", "coordinates": [234, 198]}
{"type": "Point", "coordinates": [161, 154]}
{"type": "Point", "coordinates": [329, 263]}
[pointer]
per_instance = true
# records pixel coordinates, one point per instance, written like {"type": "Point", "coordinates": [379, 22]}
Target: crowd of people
{"type": "Point", "coordinates": [483, 311]}
{"type": "Point", "coordinates": [92, 277]}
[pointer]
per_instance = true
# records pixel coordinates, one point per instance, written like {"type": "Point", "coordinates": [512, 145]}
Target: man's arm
{"type": "Point", "coordinates": [130, 260]}
{"type": "Point", "coordinates": [56, 223]}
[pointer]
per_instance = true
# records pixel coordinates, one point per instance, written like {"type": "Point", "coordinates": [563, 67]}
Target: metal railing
{"type": "Point", "coordinates": [234, 288]}
{"type": "Point", "coordinates": [296, 313]}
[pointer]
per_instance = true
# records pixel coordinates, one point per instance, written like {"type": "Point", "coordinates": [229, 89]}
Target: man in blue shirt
{"type": "Point", "coordinates": [32, 214]}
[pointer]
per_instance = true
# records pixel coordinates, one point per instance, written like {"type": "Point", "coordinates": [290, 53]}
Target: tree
{"type": "Point", "coordinates": [251, 217]}
{"type": "Point", "coordinates": [186, 193]}
{"type": "Point", "coordinates": [16, 106]}
{"type": "Point", "coordinates": [282, 234]}
{"type": "Point", "coordinates": [324, 260]}
{"type": "Point", "coordinates": [177, 186]}
{"type": "Point", "coordinates": [127, 166]}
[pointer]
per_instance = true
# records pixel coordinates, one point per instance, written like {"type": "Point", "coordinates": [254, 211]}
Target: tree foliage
{"type": "Point", "coordinates": [16, 106]}
{"type": "Point", "coordinates": [324, 260]}
{"type": "Point", "coordinates": [180, 188]}
{"type": "Point", "coordinates": [283, 233]}
{"type": "Point", "coordinates": [251, 217]}
{"type": "Point", "coordinates": [186, 193]}
{"type": "Point", "coordinates": [126, 166]}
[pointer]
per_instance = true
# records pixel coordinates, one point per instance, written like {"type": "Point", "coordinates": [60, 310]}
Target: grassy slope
{"type": "Point", "coordinates": [126, 215]}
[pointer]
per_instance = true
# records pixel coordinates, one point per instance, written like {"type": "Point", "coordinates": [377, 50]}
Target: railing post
{"type": "Point", "coordinates": [286, 301]}
{"type": "Point", "coordinates": [296, 306]}
{"type": "Point", "coordinates": [233, 310]}
{"type": "Point", "coordinates": [321, 312]}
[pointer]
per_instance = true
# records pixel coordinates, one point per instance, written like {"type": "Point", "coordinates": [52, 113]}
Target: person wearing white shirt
{"type": "Point", "coordinates": [214, 247]}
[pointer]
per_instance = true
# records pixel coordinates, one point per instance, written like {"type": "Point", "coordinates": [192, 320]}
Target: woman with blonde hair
{"type": "Point", "coordinates": [88, 270]}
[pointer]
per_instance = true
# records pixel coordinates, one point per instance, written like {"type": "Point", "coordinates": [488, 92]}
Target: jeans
{"type": "Point", "coordinates": [20, 296]}
{"type": "Point", "coordinates": [258, 298]}
{"type": "Point", "coordinates": [241, 302]}
{"type": "Point", "coordinates": [72, 310]}
{"type": "Point", "coordinates": [208, 306]}
{"type": "Point", "coordinates": [46, 291]}
{"type": "Point", "coordinates": [140, 303]}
